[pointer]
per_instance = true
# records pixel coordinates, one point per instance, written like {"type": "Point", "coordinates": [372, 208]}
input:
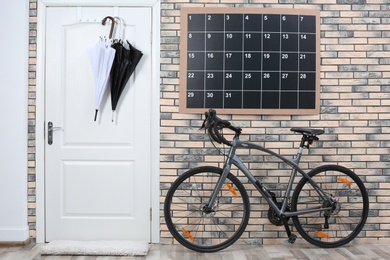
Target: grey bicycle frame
{"type": "Point", "coordinates": [232, 158]}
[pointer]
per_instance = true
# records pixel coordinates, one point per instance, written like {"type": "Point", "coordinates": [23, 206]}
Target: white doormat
{"type": "Point", "coordinates": [103, 247]}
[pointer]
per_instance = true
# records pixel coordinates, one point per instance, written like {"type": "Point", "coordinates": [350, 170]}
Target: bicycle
{"type": "Point", "coordinates": [207, 208]}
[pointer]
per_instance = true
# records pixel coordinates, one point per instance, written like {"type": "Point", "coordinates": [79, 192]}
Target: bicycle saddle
{"type": "Point", "coordinates": [307, 131]}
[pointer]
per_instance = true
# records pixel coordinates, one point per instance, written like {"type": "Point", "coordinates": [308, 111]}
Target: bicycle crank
{"type": "Point", "coordinates": [274, 218]}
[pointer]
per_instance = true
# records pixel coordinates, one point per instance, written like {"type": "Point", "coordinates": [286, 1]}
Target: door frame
{"type": "Point", "coordinates": [40, 107]}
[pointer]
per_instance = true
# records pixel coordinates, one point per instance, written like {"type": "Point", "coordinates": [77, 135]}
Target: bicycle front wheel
{"type": "Point", "coordinates": [349, 207]}
{"type": "Point", "coordinates": [191, 224]}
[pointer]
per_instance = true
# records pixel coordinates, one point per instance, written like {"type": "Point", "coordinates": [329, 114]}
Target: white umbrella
{"type": "Point", "coordinates": [101, 56]}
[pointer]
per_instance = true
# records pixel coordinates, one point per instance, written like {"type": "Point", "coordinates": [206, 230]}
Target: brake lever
{"type": "Point", "coordinates": [204, 122]}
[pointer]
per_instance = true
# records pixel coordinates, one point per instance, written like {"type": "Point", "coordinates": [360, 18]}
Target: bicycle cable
{"type": "Point", "coordinates": [217, 148]}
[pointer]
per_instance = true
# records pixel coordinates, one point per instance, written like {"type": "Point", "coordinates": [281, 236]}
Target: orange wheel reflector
{"type": "Point", "coordinates": [231, 189]}
{"type": "Point", "coordinates": [188, 234]}
{"type": "Point", "coordinates": [344, 181]}
{"type": "Point", "coordinates": [322, 234]}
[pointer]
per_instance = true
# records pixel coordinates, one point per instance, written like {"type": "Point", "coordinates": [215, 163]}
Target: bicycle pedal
{"type": "Point", "coordinates": [292, 238]}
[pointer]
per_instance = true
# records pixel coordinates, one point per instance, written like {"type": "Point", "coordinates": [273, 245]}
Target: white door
{"type": "Point", "coordinates": [97, 174]}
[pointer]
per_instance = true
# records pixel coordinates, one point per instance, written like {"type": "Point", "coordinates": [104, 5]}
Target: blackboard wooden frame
{"type": "Point", "coordinates": [193, 37]}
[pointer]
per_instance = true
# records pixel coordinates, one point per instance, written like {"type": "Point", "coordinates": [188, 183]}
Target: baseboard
{"type": "Point", "coordinates": [15, 243]}
{"type": "Point", "coordinates": [102, 247]}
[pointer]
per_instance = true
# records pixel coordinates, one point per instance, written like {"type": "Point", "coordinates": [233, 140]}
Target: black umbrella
{"type": "Point", "coordinates": [125, 61]}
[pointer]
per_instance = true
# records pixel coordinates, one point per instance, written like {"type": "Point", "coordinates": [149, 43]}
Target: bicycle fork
{"type": "Point", "coordinates": [226, 170]}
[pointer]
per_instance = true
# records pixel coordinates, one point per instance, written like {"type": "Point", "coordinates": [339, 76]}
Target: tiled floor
{"type": "Point", "coordinates": [235, 252]}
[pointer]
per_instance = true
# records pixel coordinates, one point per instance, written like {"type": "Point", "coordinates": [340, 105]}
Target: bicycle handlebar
{"type": "Point", "coordinates": [214, 125]}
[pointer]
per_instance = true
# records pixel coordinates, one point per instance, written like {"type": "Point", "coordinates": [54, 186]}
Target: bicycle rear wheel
{"type": "Point", "coordinates": [191, 225]}
{"type": "Point", "coordinates": [341, 224]}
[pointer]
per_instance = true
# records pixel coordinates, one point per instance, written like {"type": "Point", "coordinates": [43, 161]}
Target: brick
{"type": "Point", "coordinates": [339, 34]}
{"type": "Point", "coordinates": [367, 34]}
{"type": "Point", "coordinates": [337, 89]}
{"type": "Point", "coordinates": [379, 81]}
{"type": "Point", "coordinates": [378, 54]}
{"type": "Point", "coordinates": [352, 68]}
{"type": "Point", "coordinates": [365, 158]}
{"type": "Point", "coordinates": [366, 89]}
{"type": "Point", "coordinates": [337, 47]}
{"type": "Point", "coordinates": [354, 14]}
{"type": "Point", "coordinates": [381, 110]}
{"type": "Point", "coordinates": [339, 8]}
{"type": "Point", "coordinates": [337, 20]}
{"type": "Point", "coordinates": [335, 61]}
{"type": "Point", "coordinates": [354, 40]}
{"type": "Point", "coordinates": [368, 47]}
{"type": "Point", "coordinates": [370, 6]}
{"type": "Point", "coordinates": [353, 27]}
{"type": "Point", "coordinates": [338, 103]}
{"type": "Point", "coordinates": [351, 1]}
{"type": "Point", "coordinates": [339, 75]}
{"type": "Point", "coordinates": [361, 95]}
{"type": "Point", "coordinates": [351, 54]}
{"type": "Point", "coordinates": [377, 41]}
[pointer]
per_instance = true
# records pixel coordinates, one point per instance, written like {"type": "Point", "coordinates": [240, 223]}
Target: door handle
{"type": "Point", "coordinates": [50, 129]}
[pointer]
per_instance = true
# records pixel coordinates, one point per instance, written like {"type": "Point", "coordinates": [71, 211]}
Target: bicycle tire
{"type": "Point", "coordinates": [344, 222]}
{"type": "Point", "coordinates": [186, 219]}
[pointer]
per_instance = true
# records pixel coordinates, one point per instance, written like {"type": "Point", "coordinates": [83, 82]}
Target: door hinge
{"type": "Point", "coordinates": [151, 214]}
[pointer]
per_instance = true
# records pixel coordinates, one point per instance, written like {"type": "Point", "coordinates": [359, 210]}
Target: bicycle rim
{"type": "Point", "coordinates": [341, 224]}
{"type": "Point", "coordinates": [186, 219]}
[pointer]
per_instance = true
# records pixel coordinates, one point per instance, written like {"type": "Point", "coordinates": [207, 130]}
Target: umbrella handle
{"type": "Point", "coordinates": [112, 24]}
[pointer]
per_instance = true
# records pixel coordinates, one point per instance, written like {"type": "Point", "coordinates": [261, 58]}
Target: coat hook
{"type": "Point", "coordinates": [112, 24]}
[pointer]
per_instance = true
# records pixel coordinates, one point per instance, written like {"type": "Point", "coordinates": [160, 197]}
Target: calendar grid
{"type": "Point", "coordinates": [248, 62]}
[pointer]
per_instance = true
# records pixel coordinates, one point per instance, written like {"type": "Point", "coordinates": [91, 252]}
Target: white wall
{"type": "Point", "coordinates": [13, 127]}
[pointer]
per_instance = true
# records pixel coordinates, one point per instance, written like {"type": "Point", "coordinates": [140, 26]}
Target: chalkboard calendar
{"type": "Point", "coordinates": [249, 61]}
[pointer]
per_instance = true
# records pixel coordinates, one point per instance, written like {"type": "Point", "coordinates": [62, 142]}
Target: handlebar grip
{"type": "Point", "coordinates": [214, 126]}
{"type": "Point", "coordinates": [220, 137]}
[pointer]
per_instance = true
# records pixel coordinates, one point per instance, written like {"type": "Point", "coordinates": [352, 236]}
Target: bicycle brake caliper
{"type": "Point", "coordinates": [216, 206]}
{"type": "Point", "coordinates": [206, 210]}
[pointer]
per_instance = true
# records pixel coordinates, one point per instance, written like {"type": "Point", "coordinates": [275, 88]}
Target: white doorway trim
{"type": "Point", "coordinates": [40, 107]}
